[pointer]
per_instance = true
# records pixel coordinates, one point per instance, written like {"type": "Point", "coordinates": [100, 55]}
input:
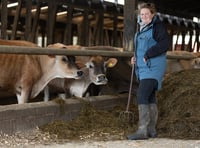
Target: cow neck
{"type": "Point", "coordinates": [79, 86]}
{"type": "Point", "coordinates": [47, 64]}
{"type": "Point", "coordinates": [86, 76]}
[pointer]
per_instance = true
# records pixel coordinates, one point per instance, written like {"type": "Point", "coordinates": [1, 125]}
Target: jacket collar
{"type": "Point", "coordinates": [143, 26]}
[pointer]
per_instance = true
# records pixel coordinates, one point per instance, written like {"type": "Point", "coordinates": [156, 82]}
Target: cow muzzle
{"type": "Point", "coordinates": [101, 79]}
{"type": "Point", "coordinates": [79, 74]}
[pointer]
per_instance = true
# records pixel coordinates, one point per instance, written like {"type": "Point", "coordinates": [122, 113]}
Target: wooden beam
{"type": "Point", "coordinates": [84, 31]}
{"type": "Point", "coordinates": [4, 22]}
{"type": "Point", "coordinates": [28, 20]}
{"type": "Point", "coordinates": [35, 22]}
{"type": "Point", "coordinates": [51, 21]}
{"type": "Point", "coordinates": [129, 24]}
{"type": "Point", "coordinates": [114, 36]}
{"type": "Point", "coordinates": [99, 28]}
{"type": "Point", "coordinates": [68, 33]}
{"type": "Point", "coordinates": [16, 19]}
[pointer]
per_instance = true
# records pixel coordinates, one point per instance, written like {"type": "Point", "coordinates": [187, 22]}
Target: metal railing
{"type": "Point", "coordinates": [107, 51]}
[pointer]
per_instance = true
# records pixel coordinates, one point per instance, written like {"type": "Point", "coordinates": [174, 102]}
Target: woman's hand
{"type": "Point", "coordinates": [144, 60]}
{"type": "Point", "coordinates": [133, 60]}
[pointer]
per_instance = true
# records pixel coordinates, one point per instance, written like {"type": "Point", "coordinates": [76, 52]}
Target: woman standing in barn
{"type": "Point", "coordinates": [151, 43]}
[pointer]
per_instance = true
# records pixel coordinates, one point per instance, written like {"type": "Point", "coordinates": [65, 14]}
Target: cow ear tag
{"type": "Point", "coordinates": [111, 62]}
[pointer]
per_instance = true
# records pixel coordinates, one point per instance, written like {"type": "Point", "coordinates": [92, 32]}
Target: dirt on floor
{"type": "Point", "coordinates": [179, 106]}
{"type": "Point", "coordinates": [179, 117]}
{"type": "Point", "coordinates": [179, 114]}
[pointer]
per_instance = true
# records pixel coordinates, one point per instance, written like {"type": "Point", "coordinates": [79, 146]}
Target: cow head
{"type": "Point", "coordinates": [196, 63]}
{"type": "Point", "coordinates": [65, 66]}
{"type": "Point", "coordinates": [62, 66]}
{"type": "Point", "coordinates": [97, 66]}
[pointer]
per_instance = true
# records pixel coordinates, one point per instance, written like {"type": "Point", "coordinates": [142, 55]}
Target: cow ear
{"type": "Point", "coordinates": [111, 62]}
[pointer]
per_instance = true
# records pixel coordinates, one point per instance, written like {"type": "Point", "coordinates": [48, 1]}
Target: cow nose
{"type": "Point", "coordinates": [101, 78]}
{"type": "Point", "coordinates": [79, 73]}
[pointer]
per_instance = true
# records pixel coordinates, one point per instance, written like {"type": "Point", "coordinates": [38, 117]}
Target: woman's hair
{"type": "Point", "coordinates": [149, 6]}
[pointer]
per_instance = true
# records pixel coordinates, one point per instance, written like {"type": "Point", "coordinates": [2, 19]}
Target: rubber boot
{"type": "Point", "coordinates": [153, 110]}
{"type": "Point", "coordinates": [144, 119]}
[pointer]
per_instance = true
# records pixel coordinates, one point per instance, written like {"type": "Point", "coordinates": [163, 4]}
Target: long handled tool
{"type": "Point", "coordinates": [128, 115]}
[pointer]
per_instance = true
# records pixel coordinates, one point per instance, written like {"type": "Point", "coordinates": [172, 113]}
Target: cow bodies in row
{"type": "Point", "coordinates": [27, 75]}
{"type": "Point", "coordinates": [119, 76]}
{"type": "Point", "coordinates": [94, 69]}
{"type": "Point", "coordinates": [178, 64]}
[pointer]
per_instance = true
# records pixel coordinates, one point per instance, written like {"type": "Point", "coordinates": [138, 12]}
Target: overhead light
{"type": "Point", "coordinates": [12, 5]}
{"type": "Point", "coordinates": [121, 2]}
{"type": "Point", "coordinates": [195, 19]}
{"type": "Point", "coordinates": [61, 13]}
{"type": "Point", "coordinates": [112, 1]}
{"type": "Point", "coordinates": [42, 8]}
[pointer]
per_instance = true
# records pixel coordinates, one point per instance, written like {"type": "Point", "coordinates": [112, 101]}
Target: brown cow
{"type": "Point", "coordinates": [94, 69]}
{"type": "Point", "coordinates": [27, 75]}
{"type": "Point", "coordinates": [17, 43]}
{"type": "Point", "coordinates": [174, 65]}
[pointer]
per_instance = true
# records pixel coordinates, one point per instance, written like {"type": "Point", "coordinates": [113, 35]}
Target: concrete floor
{"type": "Point", "coordinates": [151, 143]}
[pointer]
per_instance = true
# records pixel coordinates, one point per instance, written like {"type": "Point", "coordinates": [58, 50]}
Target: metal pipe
{"type": "Point", "coordinates": [108, 51]}
{"type": "Point", "coordinates": [52, 51]}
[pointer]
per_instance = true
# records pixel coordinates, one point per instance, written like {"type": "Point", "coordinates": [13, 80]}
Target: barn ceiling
{"type": "Point", "coordinates": [180, 8]}
{"type": "Point", "coordinates": [186, 9]}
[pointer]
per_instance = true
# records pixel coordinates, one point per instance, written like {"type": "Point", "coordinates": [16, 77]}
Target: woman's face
{"type": "Point", "coordinates": [146, 15]}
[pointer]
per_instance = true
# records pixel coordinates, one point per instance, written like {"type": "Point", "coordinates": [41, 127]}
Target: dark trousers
{"type": "Point", "coordinates": [146, 93]}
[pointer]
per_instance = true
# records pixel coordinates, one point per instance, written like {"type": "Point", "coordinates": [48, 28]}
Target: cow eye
{"type": "Point", "coordinates": [71, 58]}
{"type": "Point", "coordinates": [64, 59]}
{"type": "Point", "coordinates": [89, 65]}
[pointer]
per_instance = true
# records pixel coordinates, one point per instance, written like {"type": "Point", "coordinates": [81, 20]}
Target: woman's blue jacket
{"type": "Point", "coordinates": [151, 43]}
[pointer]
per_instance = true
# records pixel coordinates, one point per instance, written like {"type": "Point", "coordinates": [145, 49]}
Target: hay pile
{"type": "Point", "coordinates": [92, 124]}
{"type": "Point", "coordinates": [179, 105]}
{"type": "Point", "coordinates": [179, 114]}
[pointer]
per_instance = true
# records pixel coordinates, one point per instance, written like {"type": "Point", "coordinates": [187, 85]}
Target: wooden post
{"type": "Point", "coordinates": [129, 24]}
{"type": "Point", "coordinates": [99, 28]}
{"type": "Point", "coordinates": [51, 21]}
{"type": "Point", "coordinates": [114, 36]}
{"type": "Point", "coordinates": [4, 22]}
{"type": "Point", "coordinates": [35, 22]}
{"type": "Point", "coordinates": [43, 33]}
{"type": "Point", "coordinates": [183, 40]}
{"type": "Point", "coordinates": [28, 20]}
{"type": "Point", "coordinates": [197, 40]}
{"type": "Point", "coordinates": [190, 41]}
{"type": "Point", "coordinates": [68, 35]}
{"type": "Point", "coordinates": [176, 44]}
{"type": "Point", "coordinates": [84, 30]}
{"type": "Point", "coordinates": [16, 19]}
{"type": "Point", "coordinates": [171, 33]}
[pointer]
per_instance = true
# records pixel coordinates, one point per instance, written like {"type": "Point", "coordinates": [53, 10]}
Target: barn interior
{"type": "Point", "coordinates": [94, 22]}
{"type": "Point", "coordinates": [110, 23]}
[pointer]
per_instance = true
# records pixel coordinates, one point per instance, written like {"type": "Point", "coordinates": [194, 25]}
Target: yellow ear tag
{"type": "Point", "coordinates": [110, 64]}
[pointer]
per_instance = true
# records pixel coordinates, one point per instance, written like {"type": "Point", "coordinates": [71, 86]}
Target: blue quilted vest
{"type": "Point", "coordinates": [154, 67]}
